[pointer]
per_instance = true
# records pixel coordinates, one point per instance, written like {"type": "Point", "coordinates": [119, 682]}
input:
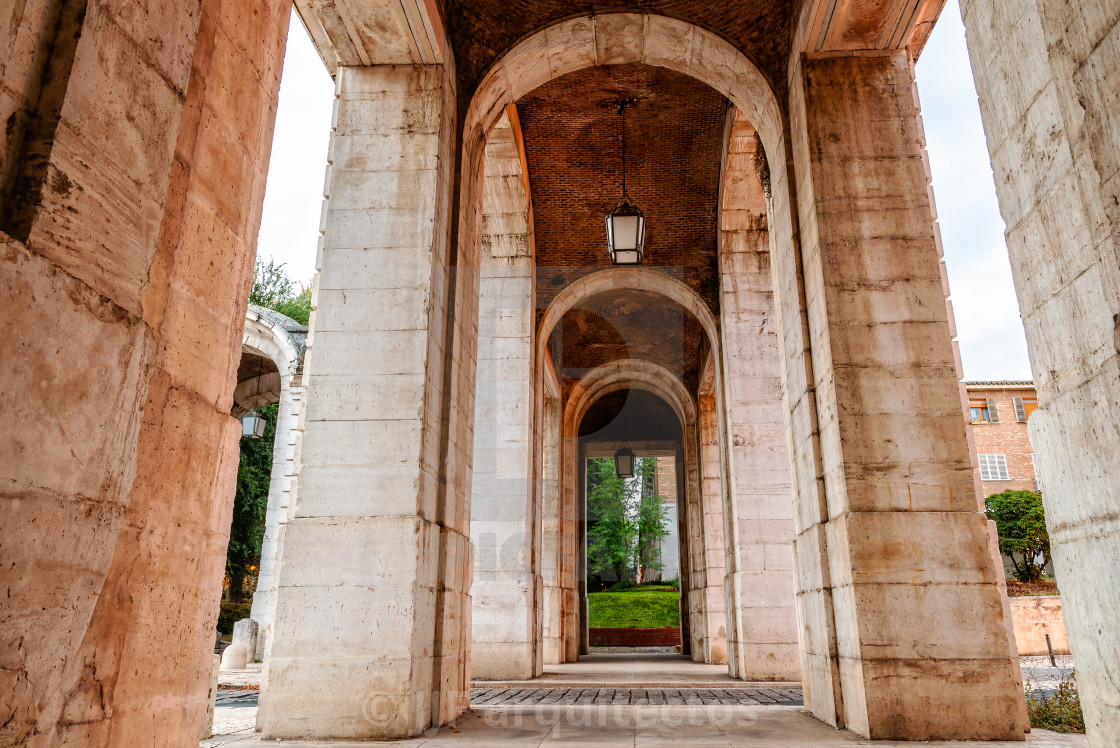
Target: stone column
{"type": "Point", "coordinates": [505, 516]}
{"type": "Point", "coordinates": [760, 558]}
{"type": "Point", "coordinates": [133, 174]}
{"type": "Point", "coordinates": [372, 606]}
{"type": "Point", "coordinates": [903, 630]}
{"type": "Point", "coordinates": [558, 586]}
{"type": "Point", "coordinates": [279, 495]}
{"type": "Point", "coordinates": [1046, 77]}
{"type": "Point", "coordinates": [712, 562]}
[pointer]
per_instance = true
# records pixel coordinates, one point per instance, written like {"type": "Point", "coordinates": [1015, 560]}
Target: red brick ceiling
{"type": "Point", "coordinates": [252, 366]}
{"type": "Point", "coordinates": [675, 133]}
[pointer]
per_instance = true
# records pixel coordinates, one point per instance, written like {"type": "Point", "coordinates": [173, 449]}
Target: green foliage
{"type": "Point", "coordinates": [273, 289]}
{"type": "Point", "coordinates": [1021, 525]}
{"type": "Point", "coordinates": [628, 522]}
{"type": "Point", "coordinates": [232, 612]}
{"type": "Point", "coordinates": [1060, 712]}
{"type": "Point", "coordinates": [636, 608]}
{"type": "Point", "coordinates": [250, 502]}
{"type": "Point", "coordinates": [611, 539]}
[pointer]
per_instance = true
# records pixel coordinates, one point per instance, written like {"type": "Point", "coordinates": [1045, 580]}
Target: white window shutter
{"type": "Point", "coordinates": [992, 417]}
{"type": "Point", "coordinates": [1020, 413]}
{"type": "Point", "coordinates": [1001, 468]}
{"type": "Point", "coordinates": [993, 467]}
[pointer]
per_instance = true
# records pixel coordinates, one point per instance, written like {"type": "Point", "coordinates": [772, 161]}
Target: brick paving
{"type": "Point", "coordinates": [483, 698]}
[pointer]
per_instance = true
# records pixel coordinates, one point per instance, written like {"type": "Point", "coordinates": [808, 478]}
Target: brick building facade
{"type": "Point", "coordinates": [998, 413]}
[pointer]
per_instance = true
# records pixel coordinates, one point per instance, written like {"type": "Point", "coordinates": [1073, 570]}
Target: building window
{"type": "Point", "coordinates": [993, 467]}
{"type": "Point", "coordinates": [982, 411]}
{"type": "Point", "coordinates": [1023, 408]}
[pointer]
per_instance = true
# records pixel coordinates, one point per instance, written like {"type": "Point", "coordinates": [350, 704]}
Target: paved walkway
{"type": "Point", "coordinates": [611, 699]}
{"type": "Point", "coordinates": [629, 727]}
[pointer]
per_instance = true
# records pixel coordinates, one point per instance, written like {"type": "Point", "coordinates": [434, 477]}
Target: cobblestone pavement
{"type": "Point", "coordinates": [483, 698]}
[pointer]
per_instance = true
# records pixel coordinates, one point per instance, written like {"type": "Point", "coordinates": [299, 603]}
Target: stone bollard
{"type": "Point", "coordinates": [245, 632]}
{"type": "Point", "coordinates": [211, 699]}
{"type": "Point", "coordinates": [236, 657]}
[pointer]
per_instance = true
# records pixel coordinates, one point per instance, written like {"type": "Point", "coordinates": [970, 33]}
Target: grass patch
{"type": "Point", "coordinates": [640, 607]}
{"type": "Point", "coordinates": [1060, 712]}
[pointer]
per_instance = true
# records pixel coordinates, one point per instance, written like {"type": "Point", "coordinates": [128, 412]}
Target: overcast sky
{"type": "Point", "coordinates": [988, 324]}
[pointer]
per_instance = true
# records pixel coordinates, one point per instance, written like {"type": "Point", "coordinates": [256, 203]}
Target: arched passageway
{"type": "Point", "coordinates": [134, 165]}
{"type": "Point", "coordinates": [279, 343]}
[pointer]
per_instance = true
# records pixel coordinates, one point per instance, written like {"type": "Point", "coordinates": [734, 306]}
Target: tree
{"type": "Point", "coordinates": [246, 533]}
{"type": "Point", "coordinates": [611, 537]}
{"type": "Point", "coordinates": [273, 289]}
{"type": "Point", "coordinates": [1021, 525]}
{"type": "Point", "coordinates": [627, 520]}
{"type": "Point", "coordinates": [651, 519]}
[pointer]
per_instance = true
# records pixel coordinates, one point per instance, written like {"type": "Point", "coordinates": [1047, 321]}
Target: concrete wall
{"type": "Point", "coordinates": [1046, 75]}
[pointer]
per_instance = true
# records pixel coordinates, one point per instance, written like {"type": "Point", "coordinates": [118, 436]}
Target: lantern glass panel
{"type": "Point", "coordinates": [626, 233]}
{"type": "Point", "coordinates": [252, 425]}
{"type": "Point", "coordinates": [624, 463]}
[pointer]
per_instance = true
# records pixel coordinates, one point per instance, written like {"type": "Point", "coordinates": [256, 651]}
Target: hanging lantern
{"type": "Point", "coordinates": [626, 234]}
{"type": "Point", "coordinates": [626, 226]}
{"type": "Point", "coordinates": [624, 461]}
{"type": "Point", "coordinates": [252, 425]}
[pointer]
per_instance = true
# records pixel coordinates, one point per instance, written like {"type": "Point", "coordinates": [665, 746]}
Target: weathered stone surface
{"type": "Point", "coordinates": [141, 459]}
{"type": "Point", "coordinates": [1043, 72]}
{"type": "Point", "coordinates": [897, 478]}
{"type": "Point", "coordinates": [235, 656]}
{"type": "Point", "coordinates": [393, 608]}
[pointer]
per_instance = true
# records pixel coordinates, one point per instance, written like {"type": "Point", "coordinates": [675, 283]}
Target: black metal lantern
{"type": "Point", "coordinates": [626, 226]}
{"type": "Point", "coordinates": [624, 461]}
{"type": "Point", "coordinates": [252, 425]}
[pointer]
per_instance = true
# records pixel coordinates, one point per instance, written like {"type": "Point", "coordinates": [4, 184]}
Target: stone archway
{"type": "Point", "coordinates": [700, 624]}
{"type": "Point", "coordinates": [283, 342]}
{"type": "Point", "coordinates": [424, 407]}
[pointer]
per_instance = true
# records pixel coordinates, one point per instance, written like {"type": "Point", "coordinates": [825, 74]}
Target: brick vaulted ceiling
{"type": "Point", "coordinates": [482, 30]}
{"type": "Point", "coordinates": [675, 133]}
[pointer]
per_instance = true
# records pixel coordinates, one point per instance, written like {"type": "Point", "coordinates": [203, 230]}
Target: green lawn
{"type": "Point", "coordinates": [637, 608]}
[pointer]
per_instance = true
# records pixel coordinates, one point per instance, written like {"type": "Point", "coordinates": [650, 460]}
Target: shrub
{"type": "Point", "coordinates": [231, 613]}
{"type": "Point", "coordinates": [1060, 712]}
{"type": "Point", "coordinates": [1021, 525]}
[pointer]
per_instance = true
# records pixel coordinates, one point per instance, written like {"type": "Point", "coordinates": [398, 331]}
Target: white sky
{"type": "Point", "coordinates": [988, 325]}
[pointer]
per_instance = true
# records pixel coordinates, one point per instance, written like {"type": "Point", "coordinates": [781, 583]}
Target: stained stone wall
{"type": "Point", "coordinates": [129, 229]}
{"type": "Point", "coordinates": [506, 511]}
{"type": "Point", "coordinates": [763, 639]}
{"type": "Point", "coordinates": [1046, 74]}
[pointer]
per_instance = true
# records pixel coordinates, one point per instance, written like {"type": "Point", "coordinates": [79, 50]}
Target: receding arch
{"type": "Point", "coordinates": [619, 38]}
{"type": "Point", "coordinates": [636, 374]}
{"type": "Point", "coordinates": [630, 278]}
